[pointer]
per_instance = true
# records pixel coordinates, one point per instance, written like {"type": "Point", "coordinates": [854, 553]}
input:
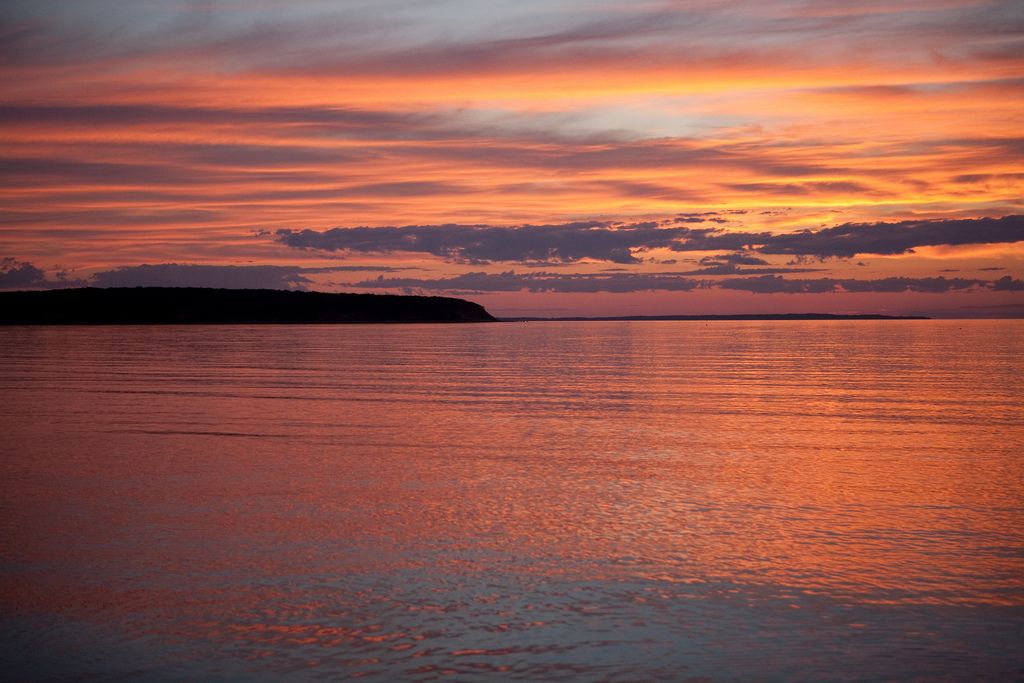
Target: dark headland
{"type": "Point", "coordinates": [195, 305]}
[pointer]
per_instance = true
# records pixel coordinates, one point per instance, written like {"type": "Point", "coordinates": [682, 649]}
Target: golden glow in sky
{"type": "Point", "coordinates": [549, 158]}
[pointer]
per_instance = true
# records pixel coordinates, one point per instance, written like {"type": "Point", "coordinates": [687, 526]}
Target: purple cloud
{"type": "Point", "coordinates": [605, 241]}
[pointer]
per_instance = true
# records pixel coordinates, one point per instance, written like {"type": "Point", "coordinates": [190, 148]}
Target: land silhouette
{"type": "Point", "coordinates": [200, 305]}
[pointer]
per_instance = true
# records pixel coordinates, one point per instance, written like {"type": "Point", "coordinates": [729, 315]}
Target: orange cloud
{"type": "Point", "coordinates": [176, 146]}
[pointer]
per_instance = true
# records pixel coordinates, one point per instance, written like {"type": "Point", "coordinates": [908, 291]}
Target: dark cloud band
{"type": "Point", "coordinates": [604, 241]}
{"type": "Point", "coordinates": [21, 275]}
{"type": "Point", "coordinates": [479, 282]}
{"type": "Point", "coordinates": [566, 243]}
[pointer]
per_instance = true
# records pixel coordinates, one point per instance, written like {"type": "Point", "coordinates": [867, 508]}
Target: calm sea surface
{"type": "Point", "coordinates": [541, 501]}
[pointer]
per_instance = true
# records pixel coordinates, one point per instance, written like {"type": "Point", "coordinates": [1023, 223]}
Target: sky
{"type": "Point", "coordinates": [541, 157]}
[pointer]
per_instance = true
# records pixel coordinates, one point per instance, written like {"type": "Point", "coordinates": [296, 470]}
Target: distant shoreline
{"type": "Point", "coordinates": [741, 316]}
{"type": "Point", "coordinates": [210, 306]}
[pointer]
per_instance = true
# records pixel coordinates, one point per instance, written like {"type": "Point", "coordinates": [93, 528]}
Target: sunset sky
{"type": "Point", "coordinates": [541, 157]}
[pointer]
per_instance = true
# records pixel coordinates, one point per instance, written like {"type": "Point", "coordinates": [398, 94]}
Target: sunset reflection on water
{"type": "Point", "coordinates": [838, 500]}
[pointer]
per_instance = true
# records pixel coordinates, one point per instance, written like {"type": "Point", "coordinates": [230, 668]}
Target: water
{"type": "Point", "coordinates": [542, 501]}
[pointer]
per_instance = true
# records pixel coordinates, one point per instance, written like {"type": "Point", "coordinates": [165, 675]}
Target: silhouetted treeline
{"type": "Point", "coordinates": [174, 305]}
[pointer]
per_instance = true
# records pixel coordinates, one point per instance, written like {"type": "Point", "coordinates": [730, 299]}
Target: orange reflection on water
{"type": "Point", "coordinates": [376, 499]}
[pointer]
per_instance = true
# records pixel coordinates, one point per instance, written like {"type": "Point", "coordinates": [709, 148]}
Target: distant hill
{"type": "Point", "coordinates": [195, 305]}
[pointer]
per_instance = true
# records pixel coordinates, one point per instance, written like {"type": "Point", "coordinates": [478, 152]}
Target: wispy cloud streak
{"type": "Point", "coordinates": [534, 133]}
